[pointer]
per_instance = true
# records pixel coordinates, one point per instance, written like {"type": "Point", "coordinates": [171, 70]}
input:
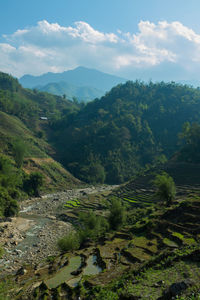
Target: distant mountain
{"type": "Point", "coordinates": [81, 77]}
{"type": "Point", "coordinates": [82, 93]}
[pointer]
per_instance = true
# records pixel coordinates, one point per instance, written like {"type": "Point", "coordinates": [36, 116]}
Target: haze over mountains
{"type": "Point", "coordinates": [83, 83]}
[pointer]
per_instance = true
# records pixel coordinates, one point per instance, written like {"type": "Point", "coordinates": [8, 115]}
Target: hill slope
{"type": "Point", "coordinates": [82, 93]}
{"type": "Point", "coordinates": [20, 112]}
{"type": "Point", "coordinates": [133, 125]}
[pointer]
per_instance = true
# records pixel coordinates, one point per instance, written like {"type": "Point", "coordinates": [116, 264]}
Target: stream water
{"type": "Point", "coordinates": [32, 233]}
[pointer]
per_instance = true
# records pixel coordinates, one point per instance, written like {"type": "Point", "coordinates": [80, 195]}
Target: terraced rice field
{"type": "Point", "coordinates": [72, 203]}
{"type": "Point", "coordinates": [138, 193]}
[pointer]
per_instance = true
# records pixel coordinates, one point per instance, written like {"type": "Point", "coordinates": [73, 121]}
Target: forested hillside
{"type": "Point", "coordinates": [83, 93]}
{"type": "Point", "coordinates": [110, 139]}
{"type": "Point", "coordinates": [25, 155]}
{"type": "Point", "coordinates": [30, 105]}
{"type": "Point", "coordinates": [133, 125]}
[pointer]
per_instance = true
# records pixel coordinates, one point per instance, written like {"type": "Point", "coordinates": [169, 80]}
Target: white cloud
{"type": "Point", "coordinates": [51, 47]}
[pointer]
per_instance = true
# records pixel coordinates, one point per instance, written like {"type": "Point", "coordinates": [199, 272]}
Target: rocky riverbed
{"type": "Point", "coordinates": [32, 236]}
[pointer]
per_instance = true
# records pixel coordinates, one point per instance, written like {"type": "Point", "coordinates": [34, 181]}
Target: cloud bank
{"type": "Point", "coordinates": [153, 50]}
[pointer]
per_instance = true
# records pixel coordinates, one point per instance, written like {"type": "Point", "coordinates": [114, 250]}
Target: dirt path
{"type": "Point", "coordinates": [32, 237]}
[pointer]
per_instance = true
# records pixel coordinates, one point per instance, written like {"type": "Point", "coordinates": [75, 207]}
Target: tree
{"type": "Point", "coordinates": [191, 136]}
{"type": "Point", "coordinates": [69, 242]}
{"type": "Point", "coordinates": [33, 183]}
{"type": "Point", "coordinates": [165, 187]}
{"type": "Point", "coordinates": [117, 214]}
{"type": "Point", "coordinates": [91, 226]}
{"type": "Point", "coordinates": [19, 150]}
{"type": "Point", "coordinates": [93, 173]}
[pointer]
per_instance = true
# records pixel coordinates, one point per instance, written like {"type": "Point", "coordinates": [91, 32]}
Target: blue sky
{"type": "Point", "coordinates": [106, 15]}
{"type": "Point", "coordinates": [142, 39]}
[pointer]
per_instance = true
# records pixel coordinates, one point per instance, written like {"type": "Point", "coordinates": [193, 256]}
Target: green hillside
{"type": "Point", "coordinates": [12, 129]}
{"type": "Point", "coordinates": [24, 150]}
{"type": "Point", "coordinates": [83, 93]}
{"type": "Point", "coordinates": [132, 126]}
{"type": "Point", "coordinates": [127, 242]}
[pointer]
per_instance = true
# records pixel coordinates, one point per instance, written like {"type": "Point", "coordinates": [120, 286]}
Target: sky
{"type": "Point", "coordinates": [134, 39]}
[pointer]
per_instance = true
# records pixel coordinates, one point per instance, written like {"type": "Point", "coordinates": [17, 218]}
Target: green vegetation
{"type": "Point", "coordinates": [1, 252]}
{"type": "Point", "coordinates": [69, 242]}
{"type": "Point", "coordinates": [128, 129]}
{"type": "Point", "coordinates": [165, 187]}
{"type": "Point", "coordinates": [33, 183]}
{"type": "Point", "coordinates": [25, 165]}
{"type": "Point", "coordinates": [5, 286]}
{"type": "Point", "coordinates": [143, 245]}
{"type": "Point", "coordinates": [108, 140]}
{"type": "Point", "coordinates": [91, 226]}
{"type": "Point", "coordinates": [19, 151]}
{"type": "Point", "coordinates": [117, 214]}
{"type": "Point", "coordinates": [10, 182]}
{"type": "Point", "coordinates": [72, 203]}
{"type": "Point", "coordinates": [190, 141]}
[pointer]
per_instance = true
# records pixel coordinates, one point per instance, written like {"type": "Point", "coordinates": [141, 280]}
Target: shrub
{"type": "Point", "coordinates": [69, 242]}
{"type": "Point", "coordinates": [11, 208]}
{"type": "Point", "coordinates": [8, 206]}
{"type": "Point", "coordinates": [91, 226]}
{"type": "Point", "coordinates": [117, 214]}
{"type": "Point", "coordinates": [19, 150]}
{"type": "Point", "coordinates": [33, 183]}
{"type": "Point", "coordinates": [1, 252]}
{"type": "Point", "coordinates": [165, 187]}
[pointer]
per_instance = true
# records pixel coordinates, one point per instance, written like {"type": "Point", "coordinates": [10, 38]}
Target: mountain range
{"type": "Point", "coordinates": [83, 83]}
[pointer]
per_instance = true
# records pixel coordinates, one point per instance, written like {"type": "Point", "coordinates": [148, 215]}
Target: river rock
{"type": "Point", "coordinates": [21, 271]}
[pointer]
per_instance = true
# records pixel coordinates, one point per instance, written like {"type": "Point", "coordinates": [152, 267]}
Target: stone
{"type": "Point", "coordinates": [14, 243]}
{"type": "Point", "coordinates": [21, 271]}
{"type": "Point", "coordinates": [176, 289]}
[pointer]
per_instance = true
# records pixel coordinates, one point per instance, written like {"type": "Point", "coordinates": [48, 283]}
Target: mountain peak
{"type": "Point", "coordinates": [80, 76]}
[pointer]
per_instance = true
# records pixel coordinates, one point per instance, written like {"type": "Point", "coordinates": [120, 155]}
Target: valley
{"type": "Point", "coordinates": [99, 150]}
{"type": "Point", "coordinates": [155, 254]}
{"type": "Point", "coordinates": [100, 200]}
{"type": "Point", "coordinates": [33, 235]}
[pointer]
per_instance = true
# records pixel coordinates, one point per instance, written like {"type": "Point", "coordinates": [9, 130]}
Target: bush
{"type": "Point", "coordinates": [1, 252]}
{"type": "Point", "coordinates": [19, 150]}
{"type": "Point", "coordinates": [91, 226]}
{"type": "Point", "coordinates": [33, 183]}
{"type": "Point", "coordinates": [117, 214]}
{"type": "Point", "coordinates": [165, 187]}
{"type": "Point", "coordinates": [69, 242]}
{"type": "Point", "coordinates": [93, 173]}
{"type": "Point", "coordinates": [11, 208]}
{"type": "Point", "coordinates": [8, 206]}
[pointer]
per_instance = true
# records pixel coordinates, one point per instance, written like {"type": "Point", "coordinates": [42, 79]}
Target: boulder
{"type": "Point", "coordinates": [176, 289]}
{"type": "Point", "coordinates": [21, 271]}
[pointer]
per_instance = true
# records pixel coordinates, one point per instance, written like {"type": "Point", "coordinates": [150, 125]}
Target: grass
{"type": "Point", "coordinates": [11, 128]}
{"type": "Point", "coordinates": [185, 240]}
{"type": "Point", "coordinates": [1, 252]}
{"type": "Point", "coordinates": [36, 153]}
{"type": "Point", "coordinates": [72, 203]}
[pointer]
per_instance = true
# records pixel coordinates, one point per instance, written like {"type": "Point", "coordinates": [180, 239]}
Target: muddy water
{"type": "Point", "coordinates": [92, 268]}
{"type": "Point", "coordinates": [64, 275]}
